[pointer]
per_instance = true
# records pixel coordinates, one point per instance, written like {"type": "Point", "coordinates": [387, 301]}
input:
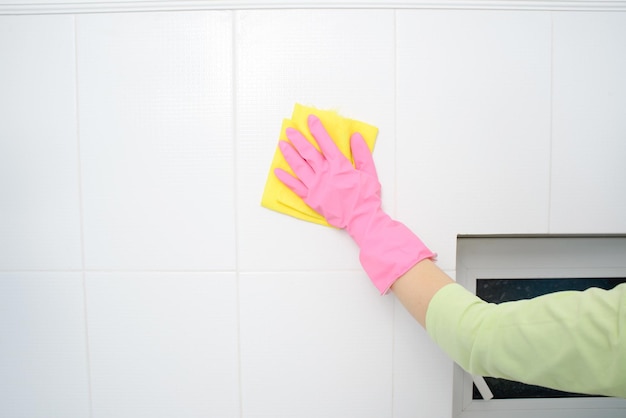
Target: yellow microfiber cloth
{"type": "Point", "coordinates": [279, 197]}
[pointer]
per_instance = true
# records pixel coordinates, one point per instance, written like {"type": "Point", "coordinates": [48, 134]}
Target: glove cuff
{"type": "Point", "coordinates": [388, 249]}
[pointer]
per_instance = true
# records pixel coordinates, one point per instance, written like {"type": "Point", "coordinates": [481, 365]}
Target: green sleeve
{"type": "Point", "coordinates": [571, 341]}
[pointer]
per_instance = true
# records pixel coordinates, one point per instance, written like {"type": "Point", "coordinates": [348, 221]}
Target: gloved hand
{"type": "Point", "coordinates": [349, 197]}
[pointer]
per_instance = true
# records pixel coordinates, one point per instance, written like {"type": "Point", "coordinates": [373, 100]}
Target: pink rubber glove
{"type": "Point", "coordinates": [349, 198]}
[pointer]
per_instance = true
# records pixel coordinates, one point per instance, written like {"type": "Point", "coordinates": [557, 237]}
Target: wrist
{"type": "Point", "coordinates": [388, 249]}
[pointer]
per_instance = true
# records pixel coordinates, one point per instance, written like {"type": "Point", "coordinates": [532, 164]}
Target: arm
{"type": "Point", "coordinates": [416, 288]}
{"type": "Point", "coordinates": [574, 341]}
{"type": "Point", "coordinates": [571, 341]}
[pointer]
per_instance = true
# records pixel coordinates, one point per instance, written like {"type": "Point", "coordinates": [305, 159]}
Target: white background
{"type": "Point", "coordinates": [139, 275]}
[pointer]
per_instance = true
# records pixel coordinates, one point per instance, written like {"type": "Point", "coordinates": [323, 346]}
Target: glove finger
{"type": "Point", "coordinates": [326, 143]}
{"type": "Point", "coordinates": [306, 150]}
{"type": "Point", "coordinates": [362, 155]}
{"type": "Point", "coordinates": [292, 183]}
{"type": "Point", "coordinates": [299, 165]}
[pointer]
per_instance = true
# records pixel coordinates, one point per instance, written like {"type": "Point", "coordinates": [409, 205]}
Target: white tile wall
{"type": "Point", "coordinates": [589, 123]}
{"type": "Point", "coordinates": [420, 370]}
{"type": "Point", "coordinates": [39, 189]}
{"type": "Point", "coordinates": [315, 345]}
{"type": "Point", "coordinates": [137, 267]}
{"type": "Point", "coordinates": [43, 360]}
{"type": "Point", "coordinates": [155, 96]}
{"type": "Point", "coordinates": [163, 344]}
{"type": "Point", "coordinates": [340, 60]}
{"type": "Point", "coordinates": [473, 124]}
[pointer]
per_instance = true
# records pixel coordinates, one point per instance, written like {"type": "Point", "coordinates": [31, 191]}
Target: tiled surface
{"type": "Point", "coordinates": [333, 60]}
{"type": "Point", "coordinates": [473, 124]}
{"type": "Point", "coordinates": [589, 125]}
{"type": "Point", "coordinates": [43, 352]}
{"type": "Point", "coordinates": [315, 345]}
{"type": "Point", "coordinates": [155, 95]}
{"type": "Point", "coordinates": [420, 370]}
{"type": "Point", "coordinates": [163, 344]}
{"type": "Point", "coordinates": [39, 191]}
{"type": "Point", "coordinates": [162, 126]}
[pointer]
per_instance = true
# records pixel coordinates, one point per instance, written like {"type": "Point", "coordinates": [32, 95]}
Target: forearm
{"type": "Point", "coordinates": [416, 288]}
{"type": "Point", "coordinates": [572, 341]}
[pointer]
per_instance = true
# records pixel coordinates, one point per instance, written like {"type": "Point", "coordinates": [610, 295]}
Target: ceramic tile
{"type": "Point", "coordinates": [420, 370]}
{"type": "Point", "coordinates": [163, 344]}
{"type": "Point", "coordinates": [156, 140]}
{"type": "Point", "coordinates": [330, 59]}
{"type": "Point", "coordinates": [315, 344]}
{"type": "Point", "coordinates": [43, 354]}
{"type": "Point", "coordinates": [473, 124]}
{"type": "Point", "coordinates": [589, 129]}
{"type": "Point", "coordinates": [40, 222]}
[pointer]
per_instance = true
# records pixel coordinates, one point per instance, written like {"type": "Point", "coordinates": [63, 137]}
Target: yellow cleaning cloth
{"type": "Point", "coordinates": [279, 197]}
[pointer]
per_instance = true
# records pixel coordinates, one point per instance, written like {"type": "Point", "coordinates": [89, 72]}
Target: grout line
{"type": "Point", "coordinates": [5, 271]}
{"type": "Point", "coordinates": [141, 271]}
{"type": "Point", "coordinates": [395, 114]}
{"type": "Point", "coordinates": [160, 271]}
{"type": "Point", "coordinates": [82, 218]}
{"type": "Point", "coordinates": [395, 195]}
{"type": "Point", "coordinates": [551, 111]}
{"type": "Point", "coordinates": [78, 149]}
{"type": "Point", "coordinates": [234, 71]}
